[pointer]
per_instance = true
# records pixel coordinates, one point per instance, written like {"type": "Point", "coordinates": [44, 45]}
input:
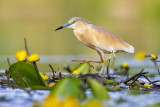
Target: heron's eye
{"type": "Point", "coordinates": [72, 22]}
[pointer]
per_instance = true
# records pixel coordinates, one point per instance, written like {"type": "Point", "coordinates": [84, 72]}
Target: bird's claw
{"type": "Point", "coordinates": [84, 61]}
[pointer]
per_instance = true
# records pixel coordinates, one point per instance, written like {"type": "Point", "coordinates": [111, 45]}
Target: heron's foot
{"type": "Point", "coordinates": [101, 73]}
{"type": "Point", "coordinates": [89, 61]}
{"type": "Point", "coordinates": [104, 61]}
{"type": "Point", "coordinates": [84, 61]}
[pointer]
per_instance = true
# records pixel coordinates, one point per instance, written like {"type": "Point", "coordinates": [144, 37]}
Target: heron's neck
{"type": "Point", "coordinates": [79, 26]}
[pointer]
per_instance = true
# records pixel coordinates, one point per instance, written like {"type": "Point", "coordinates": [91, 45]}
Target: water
{"type": "Point", "coordinates": [18, 97]}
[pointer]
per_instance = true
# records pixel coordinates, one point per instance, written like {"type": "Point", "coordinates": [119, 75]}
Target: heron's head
{"type": "Point", "coordinates": [73, 22]}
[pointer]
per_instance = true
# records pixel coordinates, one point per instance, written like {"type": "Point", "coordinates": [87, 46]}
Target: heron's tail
{"type": "Point", "coordinates": [129, 49]}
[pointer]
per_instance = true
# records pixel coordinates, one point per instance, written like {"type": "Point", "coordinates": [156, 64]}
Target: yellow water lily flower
{"type": "Point", "coordinates": [153, 57]}
{"type": "Point", "coordinates": [21, 55]}
{"type": "Point", "coordinates": [148, 85]}
{"type": "Point", "coordinates": [94, 103]}
{"type": "Point", "coordinates": [45, 77]}
{"type": "Point", "coordinates": [140, 55]}
{"type": "Point", "coordinates": [33, 58]}
{"type": "Point", "coordinates": [53, 101]}
{"type": "Point", "coordinates": [51, 84]}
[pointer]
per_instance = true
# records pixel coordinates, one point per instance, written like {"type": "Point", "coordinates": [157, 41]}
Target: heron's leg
{"type": "Point", "coordinates": [101, 54]}
{"type": "Point", "coordinates": [113, 59]}
{"type": "Point", "coordinates": [109, 59]}
{"type": "Point", "coordinates": [102, 60]}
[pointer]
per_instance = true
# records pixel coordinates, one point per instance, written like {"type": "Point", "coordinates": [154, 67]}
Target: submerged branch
{"type": "Point", "coordinates": [134, 76]}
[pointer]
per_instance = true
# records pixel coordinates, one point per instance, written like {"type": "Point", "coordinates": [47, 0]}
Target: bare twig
{"type": "Point", "coordinates": [155, 64]}
{"type": "Point", "coordinates": [7, 71]}
{"type": "Point", "coordinates": [155, 81]}
{"type": "Point", "coordinates": [25, 42]}
{"type": "Point", "coordinates": [135, 79]}
{"type": "Point", "coordinates": [131, 78]}
{"type": "Point", "coordinates": [9, 64]}
{"type": "Point", "coordinates": [93, 75]}
{"type": "Point", "coordinates": [60, 75]}
{"type": "Point", "coordinates": [14, 85]}
{"type": "Point", "coordinates": [22, 78]}
{"type": "Point", "coordinates": [148, 80]}
{"type": "Point", "coordinates": [53, 71]}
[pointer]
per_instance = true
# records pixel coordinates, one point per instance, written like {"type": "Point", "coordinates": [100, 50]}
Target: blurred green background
{"type": "Point", "coordinates": [135, 21]}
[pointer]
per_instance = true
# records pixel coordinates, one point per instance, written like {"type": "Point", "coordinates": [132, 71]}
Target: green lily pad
{"type": "Point", "coordinates": [97, 89]}
{"type": "Point", "coordinates": [24, 74]}
{"type": "Point", "coordinates": [107, 81]}
{"type": "Point", "coordinates": [83, 68]}
{"type": "Point", "coordinates": [68, 87]}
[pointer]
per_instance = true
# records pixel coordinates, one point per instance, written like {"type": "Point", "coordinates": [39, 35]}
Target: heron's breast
{"type": "Point", "coordinates": [84, 36]}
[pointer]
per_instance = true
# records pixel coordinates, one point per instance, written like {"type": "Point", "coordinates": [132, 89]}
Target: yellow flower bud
{"type": "Point", "coordinates": [33, 58]}
{"type": "Point", "coordinates": [153, 57]}
{"type": "Point", "coordinates": [45, 77]}
{"type": "Point", "coordinates": [21, 55]}
{"type": "Point", "coordinates": [148, 85]}
{"type": "Point", "coordinates": [125, 65]}
{"type": "Point", "coordinates": [122, 83]}
{"type": "Point", "coordinates": [51, 84]}
{"type": "Point", "coordinates": [42, 74]}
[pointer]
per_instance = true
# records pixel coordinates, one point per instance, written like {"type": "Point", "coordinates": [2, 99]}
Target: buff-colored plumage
{"type": "Point", "coordinates": [96, 37]}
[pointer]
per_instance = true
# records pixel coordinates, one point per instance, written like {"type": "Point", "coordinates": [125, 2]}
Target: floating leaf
{"type": "Point", "coordinates": [24, 74]}
{"type": "Point", "coordinates": [98, 90]}
{"type": "Point", "coordinates": [107, 81]}
{"type": "Point", "coordinates": [154, 105]}
{"type": "Point", "coordinates": [67, 87]}
{"type": "Point", "coordinates": [83, 68]}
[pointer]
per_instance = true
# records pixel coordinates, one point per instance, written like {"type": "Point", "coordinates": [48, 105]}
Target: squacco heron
{"type": "Point", "coordinates": [97, 38]}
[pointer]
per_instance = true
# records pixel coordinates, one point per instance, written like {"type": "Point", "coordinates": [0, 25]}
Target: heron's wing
{"type": "Point", "coordinates": [108, 41]}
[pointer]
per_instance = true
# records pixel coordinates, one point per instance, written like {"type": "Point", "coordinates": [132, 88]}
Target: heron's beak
{"type": "Point", "coordinates": [63, 26]}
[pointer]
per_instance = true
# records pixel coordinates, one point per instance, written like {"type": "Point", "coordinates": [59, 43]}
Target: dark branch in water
{"type": "Point", "coordinates": [135, 79]}
{"type": "Point", "coordinates": [93, 75]}
{"type": "Point", "coordinates": [134, 76]}
{"type": "Point", "coordinates": [148, 80]}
